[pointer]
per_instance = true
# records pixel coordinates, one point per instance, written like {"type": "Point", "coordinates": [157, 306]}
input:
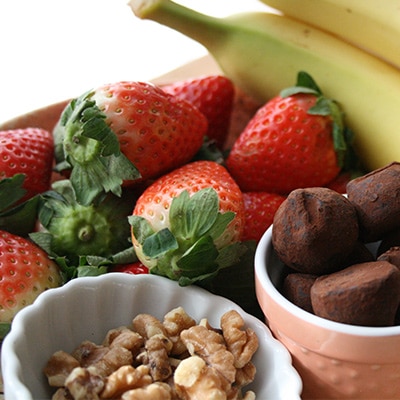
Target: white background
{"type": "Point", "coordinates": [51, 50]}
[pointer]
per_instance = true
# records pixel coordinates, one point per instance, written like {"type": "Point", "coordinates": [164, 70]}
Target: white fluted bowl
{"type": "Point", "coordinates": [86, 308]}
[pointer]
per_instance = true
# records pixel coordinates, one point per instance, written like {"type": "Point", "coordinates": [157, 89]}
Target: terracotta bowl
{"type": "Point", "coordinates": [335, 361]}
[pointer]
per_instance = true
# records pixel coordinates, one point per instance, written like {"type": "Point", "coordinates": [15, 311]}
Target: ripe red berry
{"type": "Point", "coordinates": [25, 272]}
{"type": "Point", "coordinates": [214, 96]}
{"type": "Point", "coordinates": [259, 208]}
{"type": "Point", "coordinates": [27, 151]}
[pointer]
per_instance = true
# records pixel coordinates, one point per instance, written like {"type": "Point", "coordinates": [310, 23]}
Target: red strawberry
{"type": "Point", "coordinates": [30, 152]}
{"type": "Point", "coordinates": [135, 268]}
{"type": "Point", "coordinates": [295, 140]}
{"type": "Point", "coordinates": [26, 271]}
{"type": "Point", "coordinates": [187, 224]}
{"type": "Point", "coordinates": [260, 208]}
{"type": "Point", "coordinates": [107, 132]}
{"type": "Point", "coordinates": [213, 95]}
{"type": "Point", "coordinates": [339, 183]}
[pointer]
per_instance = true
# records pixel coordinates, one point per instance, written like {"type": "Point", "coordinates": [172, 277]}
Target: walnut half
{"type": "Point", "coordinates": [58, 367]}
{"type": "Point", "coordinates": [195, 380]}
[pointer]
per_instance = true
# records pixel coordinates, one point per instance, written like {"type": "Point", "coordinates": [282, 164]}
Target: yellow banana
{"type": "Point", "coordinates": [262, 53]}
{"type": "Point", "coordinates": [373, 25]}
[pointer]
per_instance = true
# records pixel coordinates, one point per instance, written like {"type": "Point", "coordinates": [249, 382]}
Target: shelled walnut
{"type": "Point", "coordinates": [174, 358]}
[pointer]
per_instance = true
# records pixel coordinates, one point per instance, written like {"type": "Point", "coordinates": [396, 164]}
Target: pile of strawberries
{"type": "Point", "coordinates": [194, 136]}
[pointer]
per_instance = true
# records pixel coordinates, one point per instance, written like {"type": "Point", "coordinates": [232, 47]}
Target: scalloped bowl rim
{"type": "Point", "coordinates": [283, 379]}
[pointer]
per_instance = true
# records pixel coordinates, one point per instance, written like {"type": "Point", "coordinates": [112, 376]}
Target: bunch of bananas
{"type": "Point", "coordinates": [355, 58]}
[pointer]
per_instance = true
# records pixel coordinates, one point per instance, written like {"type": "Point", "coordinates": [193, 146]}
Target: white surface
{"type": "Point", "coordinates": [52, 50]}
{"type": "Point", "coordinates": [86, 308]}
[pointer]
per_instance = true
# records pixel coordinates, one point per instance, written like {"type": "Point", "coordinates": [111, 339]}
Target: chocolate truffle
{"type": "Point", "coordinates": [366, 294]}
{"type": "Point", "coordinates": [315, 230]}
{"type": "Point", "coordinates": [376, 197]}
{"type": "Point", "coordinates": [392, 239]}
{"type": "Point", "coordinates": [359, 254]}
{"type": "Point", "coordinates": [392, 255]}
{"type": "Point", "coordinates": [296, 288]}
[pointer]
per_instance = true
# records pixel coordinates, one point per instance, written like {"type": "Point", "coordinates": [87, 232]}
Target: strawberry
{"type": "Point", "coordinates": [27, 151]}
{"type": "Point", "coordinates": [259, 208]}
{"type": "Point", "coordinates": [187, 225]}
{"type": "Point", "coordinates": [26, 271]}
{"type": "Point", "coordinates": [135, 268]}
{"type": "Point", "coordinates": [340, 182]}
{"type": "Point", "coordinates": [124, 131]}
{"type": "Point", "coordinates": [297, 139]}
{"type": "Point", "coordinates": [213, 95]}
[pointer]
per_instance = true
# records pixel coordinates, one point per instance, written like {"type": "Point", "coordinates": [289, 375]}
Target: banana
{"type": "Point", "coordinates": [372, 25]}
{"type": "Point", "coordinates": [263, 52]}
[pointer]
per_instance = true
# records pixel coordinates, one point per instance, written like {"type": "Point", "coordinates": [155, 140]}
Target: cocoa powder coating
{"type": "Point", "coordinates": [392, 255]}
{"type": "Point", "coordinates": [296, 288]}
{"type": "Point", "coordinates": [366, 294]}
{"type": "Point", "coordinates": [315, 230]}
{"type": "Point", "coordinates": [376, 197]}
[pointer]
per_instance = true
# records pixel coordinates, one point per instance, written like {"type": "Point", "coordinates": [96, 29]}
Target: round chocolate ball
{"type": "Point", "coordinates": [376, 197]}
{"type": "Point", "coordinates": [315, 230]}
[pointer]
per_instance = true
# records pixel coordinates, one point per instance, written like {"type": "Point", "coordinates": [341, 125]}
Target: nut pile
{"type": "Point", "coordinates": [328, 240]}
{"type": "Point", "coordinates": [175, 358]}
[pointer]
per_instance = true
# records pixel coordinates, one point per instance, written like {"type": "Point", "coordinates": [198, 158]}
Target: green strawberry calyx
{"type": "Point", "coordinates": [11, 191]}
{"type": "Point", "coordinates": [17, 216]}
{"type": "Point", "coordinates": [342, 135]}
{"type": "Point", "coordinates": [5, 328]}
{"type": "Point", "coordinates": [91, 149]}
{"type": "Point", "coordinates": [186, 250]}
{"type": "Point", "coordinates": [77, 235]}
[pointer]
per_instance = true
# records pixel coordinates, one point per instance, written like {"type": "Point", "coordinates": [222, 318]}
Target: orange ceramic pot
{"type": "Point", "coordinates": [334, 360]}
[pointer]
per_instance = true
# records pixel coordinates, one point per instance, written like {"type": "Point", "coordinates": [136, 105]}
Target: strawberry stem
{"type": "Point", "coordinates": [5, 328]}
{"type": "Point", "coordinates": [11, 190]}
{"type": "Point", "coordinates": [186, 251]}
{"type": "Point", "coordinates": [91, 149]}
{"type": "Point", "coordinates": [73, 230]}
{"type": "Point", "coordinates": [17, 217]}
